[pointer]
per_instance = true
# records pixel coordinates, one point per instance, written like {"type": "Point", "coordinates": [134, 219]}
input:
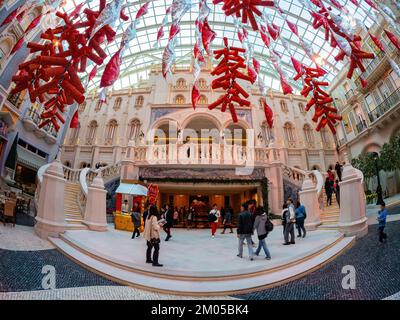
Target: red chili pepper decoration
{"type": "Point", "coordinates": [52, 75]}
{"type": "Point", "coordinates": [228, 72]}
{"type": "Point", "coordinates": [324, 112]}
{"type": "Point", "coordinates": [245, 9]}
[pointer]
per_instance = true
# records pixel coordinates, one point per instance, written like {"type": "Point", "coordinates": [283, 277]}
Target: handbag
{"type": "Point", "coordinates": [154, 241]}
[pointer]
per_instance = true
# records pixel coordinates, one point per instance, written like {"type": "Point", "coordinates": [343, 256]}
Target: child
{"type": "Point", "coordinates": [382, 222]}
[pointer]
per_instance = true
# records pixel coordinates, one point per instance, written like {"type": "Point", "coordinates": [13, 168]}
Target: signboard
{"type": "Point", "coordinates": [152, 193]}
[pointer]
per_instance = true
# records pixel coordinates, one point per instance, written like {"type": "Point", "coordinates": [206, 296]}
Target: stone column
{"type": "Point", "coordinates": [352, 219]}
{"type": "Point", "coordinates": [95, 211]}
{"type": "Point", "coordinates": [275, 178]}
{"type": "Point", "coordinates": [50, 219]}
{"type": "Point", "coordinates": [309, 198]}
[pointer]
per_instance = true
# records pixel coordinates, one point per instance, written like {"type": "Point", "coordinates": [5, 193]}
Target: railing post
{"type": "Point", "coordinates": [95, 211]}
{"type": "Point", "coordinates": [309, 198]}
{"type": "Point", "coordinates": [352, 219]}
{"type": "Point", "coordinates": [50, 219]}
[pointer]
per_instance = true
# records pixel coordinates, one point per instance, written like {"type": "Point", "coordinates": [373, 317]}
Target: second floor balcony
{"type": "Point", "coordinates": [361, 126]}
{"type": "Point", "coordinates": [32, 121]}
{"type": "Point", "coordinates": [386, 105]}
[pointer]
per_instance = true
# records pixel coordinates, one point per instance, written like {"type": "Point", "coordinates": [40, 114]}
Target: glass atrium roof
{"type": "Point", "coordinates": [142, 53]}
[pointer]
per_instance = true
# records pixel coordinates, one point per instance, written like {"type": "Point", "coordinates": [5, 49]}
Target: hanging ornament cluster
{"type": "Point", "coordinates": [52, 74]}
{"type": "Point", "coordinates": [324, 112]}
{"type": "Point", "coordinates": [245, 9]}
{"type": "Point", "coordinates": [228, 70]}
{"type": "Point", "coordinates": [204, 37]}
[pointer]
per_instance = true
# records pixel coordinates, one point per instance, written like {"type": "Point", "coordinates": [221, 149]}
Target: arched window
{"type": "Point", "coordinates": [289, 134]}
{"type": "Point", "coordinates": [74, 134]}
{"type": "Point", "coordinates": [91, 134]}
{"type": "Point", "coordinates": [179, 99]}
{"type": "Point", "coordinates": [181, 83]}
{"type": "Point", "coordinates": [202, 99]}
{"type": "Point", "coordinates": [266, 133]}
{"type": "Point", "coordinates": [110, 131]}
{"type": "Point", "coordinates": [301, 108]}
{"type": "Point", "coordinates": [202, 83]}
{"type": "Point", "coordinates": [308, 135]}
{"type": "Point", "coordinates": [98, 105]}
{"type": "Point", "coordinates": [117, 104]}
{"type": "Point", "coordinates": [284, 106]}
{"type": "Point", "coordinates": [325, 137]}
{"type": "Point", "coordinates": [139, 102]}
{"type": "Point", "coordinates": [134, 129]}
{"type": "Point", "coordinates": [82, 107]}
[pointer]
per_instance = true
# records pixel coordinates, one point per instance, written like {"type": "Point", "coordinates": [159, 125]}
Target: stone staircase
{"type": "Point", "coordinates": [73, 216]}
{"type": "Point", "coordinates": [330, 214]}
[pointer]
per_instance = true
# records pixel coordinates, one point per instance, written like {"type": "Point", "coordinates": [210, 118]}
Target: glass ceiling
{"type": "Point", "coordinates": [142, 54]}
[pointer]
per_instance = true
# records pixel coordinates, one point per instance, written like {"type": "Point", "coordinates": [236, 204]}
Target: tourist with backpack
{"type": "Point", "coordinates": [213, 218]}
{"type": "Point", "coordinates": [263, 226]}
{"type": "Point", "coordinates": [301, 215]}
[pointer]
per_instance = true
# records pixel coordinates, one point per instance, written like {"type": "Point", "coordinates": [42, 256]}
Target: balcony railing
{"type": "Point", "coordinates": [35, 116]}
{"type": "Point", "coordinates": [341, 142]}
{"type": "Point", "coordinates": [385, 106]}
{"type": "Point", "coordinates": [361, 126]}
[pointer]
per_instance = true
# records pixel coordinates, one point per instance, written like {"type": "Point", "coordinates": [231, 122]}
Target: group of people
{"type": "Point", "coordinates": [332, 183]}
{"type": "Point", "coordinates": [216, 216]}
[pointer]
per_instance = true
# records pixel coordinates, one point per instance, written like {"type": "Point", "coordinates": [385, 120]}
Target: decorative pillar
{"type": "Point", "coordinates": [50, 219]}
{"type": "Point", "coordinates": [274, 175]}
{"type": "Point", "coordinates": [352, 219]}
{"type": "Point", "coordinates": [309, 198]}
{"type": "Point", "coordinates": [95, 211]}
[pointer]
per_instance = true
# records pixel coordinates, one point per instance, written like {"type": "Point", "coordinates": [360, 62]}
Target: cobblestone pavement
{"type": "Point", "coordinates": [21, 238]}
{"type": "Point", "coordinates": [377, 273]}
{"type": "Point", "coordinates": [377, 269]}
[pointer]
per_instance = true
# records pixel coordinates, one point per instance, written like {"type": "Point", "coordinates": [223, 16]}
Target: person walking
{"type": "Point", "coordinates": [213, 218]}
{"type": "Point", "coordinates": [152, 235]}
{"type": "Point", "coordinates": [290, 221]}
{"type": "Point", "coordinates": [328, 191]}
{"type": "Point", "coordinates": [176, 216]}
{"type": "Point", "coordinates": [169, 218]}
{"type": "Point", "coordinates": [136, 219]}
{"type": "Point", "coordinates": [259, 225]}
{"type": "Point", "coordinates": [337, 191]}
{"type": "Point", "coordinates": [284, 217]}
{"type": "Point", "coordinates": [300, 217]}
{"type": "Point", "coordinates": [382, 213]}
{"type": "Point", "coordinates": [227, 221]}
{"type": "Point", "coordinates": [190, 218]}
{"type": "Point", "coordinates": [338, 169]}
{"type": "Point", "coordinates": [145, 212]}
{"type": "Point", "coordinates": [244, 230]}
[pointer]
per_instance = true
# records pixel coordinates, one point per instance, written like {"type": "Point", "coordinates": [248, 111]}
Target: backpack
{"type": "Point", "coordinates": [269, 226]}
{"type": "Point", "coordinates": [212, 217]}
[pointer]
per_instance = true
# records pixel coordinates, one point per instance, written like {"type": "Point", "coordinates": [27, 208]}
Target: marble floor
{"type": "Point", "coordinates": [195, 253]}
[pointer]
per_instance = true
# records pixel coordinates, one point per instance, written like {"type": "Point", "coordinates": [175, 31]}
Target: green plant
{"type": "Point", "coordinates": [371, 198]}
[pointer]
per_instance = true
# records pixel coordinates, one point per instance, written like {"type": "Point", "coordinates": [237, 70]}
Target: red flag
{"type": "Point", "coordinates": [92, 73]}
{"type": "Point", "coordinates": [34, 23]}
{"type": "Point", "coordinates": [74, 121]}
{"type": "Point", "coordinates": [269, 115]}
{"type": "Point", "coordinates": [207, 35]}
{"type": "Point", "coordinates": [142, 11]}
{"type": "Point", "coordinates": [377, 42]}
{"type": "Point", "coordinates": [393, 39]}
{"type": "Point", "coordinates": [10, 17]}
{"type": "Point", "coordinates": [292, 27]}
{"type": "Point", "coordinates": [111, 71]}
{"type": "Point", "coordinates": [17, 45]}
{"type": "Point", "coordinates": [195, 96]}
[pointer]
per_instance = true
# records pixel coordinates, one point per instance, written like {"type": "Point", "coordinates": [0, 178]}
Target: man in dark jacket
{"type": "Point", "coordinates": [169, 217]}
{"type": "Point", "coordinates": [338, 169]}
{"type": "Point", "coordinates": [244, 230]}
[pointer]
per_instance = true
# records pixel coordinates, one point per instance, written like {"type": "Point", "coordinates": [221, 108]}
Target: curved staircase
{"type": "Point", "coordinates": [329, 214]}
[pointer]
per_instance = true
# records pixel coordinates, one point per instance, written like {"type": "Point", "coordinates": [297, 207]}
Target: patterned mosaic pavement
{"type": "Point", "coordinates": [377, 268]}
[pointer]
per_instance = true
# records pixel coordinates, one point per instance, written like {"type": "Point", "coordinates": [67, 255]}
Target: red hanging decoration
{"type": "Point", "coordinates": [245, 9]}
{"type": "Point", "coordinates": [377, 42]}
{"type": "Point", "coordinates": [228, 72]}
{"type": "Point", "coordinates": [195, 95]}
{"type": "Point", "coordinates": [10, 17]}
{"type": "Point", "coordinates": [111, 71]}
{"type": "Point", "coordinates": [269, 114]}
{"type": "Point", "coordinates": [393, 39]}
{"type": "Point", "coordinates": [75, 120]}
{"type": "Point", "coordinates": [52, 75]}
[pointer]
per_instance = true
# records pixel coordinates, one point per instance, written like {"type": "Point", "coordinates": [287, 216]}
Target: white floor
{"type": "Point", "coordinates": [195, 253]}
